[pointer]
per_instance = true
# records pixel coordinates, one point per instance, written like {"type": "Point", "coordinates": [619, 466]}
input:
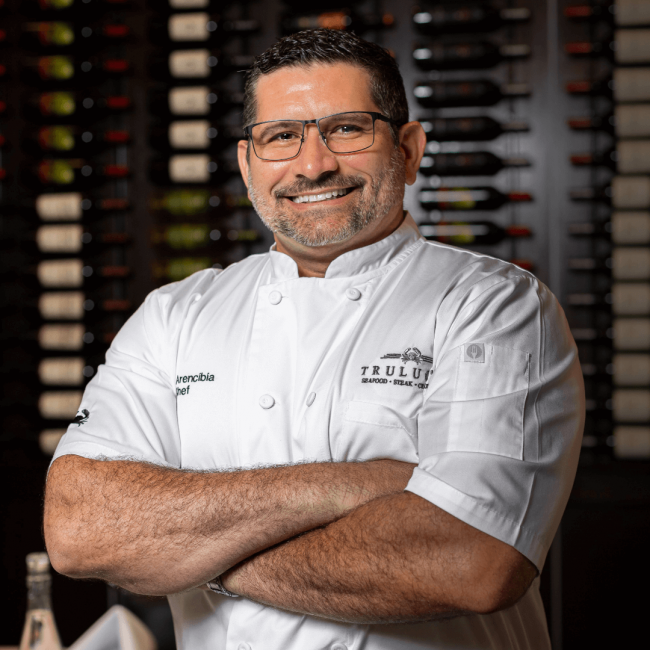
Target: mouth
{"type": "Point", "coordinates": [327, 195]}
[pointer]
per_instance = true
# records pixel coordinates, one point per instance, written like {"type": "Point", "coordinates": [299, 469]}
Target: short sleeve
{"type": "Point", "coordinates": [500, 431]}
{"type": "Point", "coordinates": [128, 410]}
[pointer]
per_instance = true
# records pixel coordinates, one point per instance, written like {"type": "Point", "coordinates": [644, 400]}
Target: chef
{"type": "Point", "coordinates": [359, 440]}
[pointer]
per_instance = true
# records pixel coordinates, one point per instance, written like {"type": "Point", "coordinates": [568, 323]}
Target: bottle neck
{"type": "Point", "coordinates": [39, 592]}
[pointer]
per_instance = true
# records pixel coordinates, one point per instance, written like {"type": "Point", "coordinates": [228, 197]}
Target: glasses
{"type": "Point", "coordinates": [342, 133]}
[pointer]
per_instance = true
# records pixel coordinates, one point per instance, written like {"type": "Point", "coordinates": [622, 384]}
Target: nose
{"type": "Point", "coordinates": [315, 158]}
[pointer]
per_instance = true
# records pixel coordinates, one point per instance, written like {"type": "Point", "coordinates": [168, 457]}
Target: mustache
{"type": "Point", "coordinates": [306, 185]}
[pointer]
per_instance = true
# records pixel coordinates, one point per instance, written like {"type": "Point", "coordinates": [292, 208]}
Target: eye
{"type": "Point", "coordinates": [284, 137]}
{"type": "Point", "coordinates": [347, 129]}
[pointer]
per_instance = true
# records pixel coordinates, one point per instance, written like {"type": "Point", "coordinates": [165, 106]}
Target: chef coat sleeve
{"type": "Point", "coordinates": [130, 404]}
{"type": "Point", "coordinates": [500, 431]}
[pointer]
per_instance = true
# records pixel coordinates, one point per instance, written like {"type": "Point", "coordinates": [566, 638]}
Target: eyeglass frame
{"type": "Point", "coordinates": [375, 116]}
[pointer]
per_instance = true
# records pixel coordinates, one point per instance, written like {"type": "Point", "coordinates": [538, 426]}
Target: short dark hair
{"type": "Point", "coordinates": [330, 46]}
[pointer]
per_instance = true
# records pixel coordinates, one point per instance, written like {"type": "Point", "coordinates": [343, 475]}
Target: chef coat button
{"type": "Point", "coordinates": [244, 646]}
{"type": "Point", "coordinates": [339, 646]}
{"type": "Point", "coordinates": [266, 401]}
{"type": "Point", "coordinates": [310, 398]}
{"type": "Point", "coordinates": [353, 294]}
{"type": "Point", "coordinates": [275, 297]}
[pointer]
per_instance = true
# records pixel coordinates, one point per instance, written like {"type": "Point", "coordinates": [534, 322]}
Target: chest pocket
{"type": "Point", "coordinates": [370, 430]}
{"type": "Point", "coordinates": [477, 402]}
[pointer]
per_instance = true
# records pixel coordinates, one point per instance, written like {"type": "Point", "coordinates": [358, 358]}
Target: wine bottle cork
{"type": "Point", "coordinates": [631, 299]}
{"type": "Point", "coordinates": [631, 263]}
{"type": "Point", "coordinates": [60, 273]}
{"type": "Point", "coordinates": [633, 156]}
{"type": "Point", "coordinates": [631, 405]}
{"type": "Point", "coordinates": [631, 442]}
{"type": "Point", "coordinates": [631, 192]}
{"type": "Point", "coordinates": [631, 333]}
{"type": "Point", "coordinates": [631, 369]}
{"type": "Point", "coordinates": [59, 239]}
{"type": "Point", "coordinates": [631, 227]}
{"type": "Point", "coordinates": [59, 404]}
{"type": "Point", "coordinates": [64, 371]}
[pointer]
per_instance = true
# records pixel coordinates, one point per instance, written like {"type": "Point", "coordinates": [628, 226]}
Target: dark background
{"type": "Point", "coordinates": [596, 568]}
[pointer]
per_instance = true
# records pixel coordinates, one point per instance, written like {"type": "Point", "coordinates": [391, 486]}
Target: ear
{"type": "Point", "coordinates": [242, 150]}
{"type": "Point", "coordinates": [412, 141]}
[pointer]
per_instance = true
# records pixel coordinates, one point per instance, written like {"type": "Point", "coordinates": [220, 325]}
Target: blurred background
{"type": "Point", "coordinates": [118, 124]}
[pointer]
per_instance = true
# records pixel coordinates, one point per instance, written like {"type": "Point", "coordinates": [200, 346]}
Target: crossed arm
{"type": "Point", "coordinates": [338, 540]}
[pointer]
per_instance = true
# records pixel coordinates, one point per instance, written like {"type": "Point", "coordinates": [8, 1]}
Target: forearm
{"type": "Point", "coordinates": [156, 530]}
{"type": "Point", "coordinates": [381, 564]}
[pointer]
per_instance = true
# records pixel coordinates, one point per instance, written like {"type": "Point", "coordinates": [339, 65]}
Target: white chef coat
{"type": "Point", "coordinates": [406, 349]}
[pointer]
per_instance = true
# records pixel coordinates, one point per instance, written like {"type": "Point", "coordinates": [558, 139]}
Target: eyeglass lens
{"type": "Point", "coordinates": [344, 133]}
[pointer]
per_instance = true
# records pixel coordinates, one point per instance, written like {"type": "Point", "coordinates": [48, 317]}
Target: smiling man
{"type": "Point", "coordinates": [358, 440]}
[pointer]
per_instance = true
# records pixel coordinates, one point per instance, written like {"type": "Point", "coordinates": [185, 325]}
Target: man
{"type": "Point", "coordinates": [224, 432]}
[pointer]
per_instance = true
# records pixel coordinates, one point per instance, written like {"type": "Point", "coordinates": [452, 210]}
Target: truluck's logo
{"type": "Point", "coordinates": [475, 353]}
{"type": "Point", "coordinates": [400, 374]}
{"type": "Point", "coordinates": [81, 417]}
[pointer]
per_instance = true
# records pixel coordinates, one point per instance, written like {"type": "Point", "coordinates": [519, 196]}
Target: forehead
{"type": "Point", "coordinates": [307, 92]}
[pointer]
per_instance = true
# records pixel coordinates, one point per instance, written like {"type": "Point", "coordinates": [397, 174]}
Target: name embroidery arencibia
{"type": "Point", "coordinates": [188, 379]}
{"type": "Point", "coordinates": [415, 376]}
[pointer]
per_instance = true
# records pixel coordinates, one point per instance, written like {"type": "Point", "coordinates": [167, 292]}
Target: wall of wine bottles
{"type": "Point", "coordinates": [118, 127]}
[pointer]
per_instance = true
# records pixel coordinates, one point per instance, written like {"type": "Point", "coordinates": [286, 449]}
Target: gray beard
{"type": "Point", "coordinates": [372, 204]}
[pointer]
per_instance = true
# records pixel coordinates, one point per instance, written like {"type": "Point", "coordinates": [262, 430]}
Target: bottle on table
{"type": "Point", "coordinates": [39, 632]}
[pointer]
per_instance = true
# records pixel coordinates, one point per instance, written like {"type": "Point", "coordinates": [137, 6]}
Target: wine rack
{"type": "Point", "coordinates": [537, 153]}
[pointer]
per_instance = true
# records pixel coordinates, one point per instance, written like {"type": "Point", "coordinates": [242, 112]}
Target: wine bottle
{"type": "Point", "coordinates": [451, 94]}
{"type": "Point", "coordinates": [629, 263]}
{"type": "Point", "coordinates": [61, 36]}
{"type": "Point", "coordinates": [194, 100]}
{"type": "Point", "coordinates": [197, 203]}
{"type": "Point", "coordinates": [624, 193]}
{"type": "Point", "coordinates": [40, 629]}
{"type": "Point", "coordinates": [624, 13]}
{"type": "Point", "coordinates": [191, 236]}
{"type": "Point", "coordinates": [628, 47]}
{"type": "Point", "coordinates": [66, 274]}
{"type": "Point", "coordinates": [175, 269]}
{"type": "Point", "coordinates": [625, 299]}
{"type": "Point", "coordinates": [73, 172]}
{"type": "Point", "coordinates": [75, 306]}
{"type": "Point", "coordinates": [631, 405]}
{"type": "Point", "coordinates": [475, 163]}
{"type": "Point", "coordinates": [468, 198]}
{"type": "Point", "coordinates": [194, 134]}
{"type": "Point", "coordinates": [76, 107]}
{"type": "Point", "coordinates": [629, 157]}
{"type": "Point", "coordinates": [74, 206]}
{"type": "Point", "coordinates": [182, 5]}
{"type": "Point", "coordinates": [68, 8]}
{"type": "Point", "coordinates": [468, 129]}
{"type": "Point", "coordinates": [341, 19]}
{"type": "Point", "coordinates": [623, 228]}
{"type": "Point", "coordinates": [73, 238]}
{"type": "Point", "coordinates": [631, 443]}
{"type": "Point", "coordinates": [467, 18]}
{"type": "Point", "coordinates": [199, 27]}
{"type": "Point", "coordinates": [61, 339]}
{"type": "Point", "coordinates": [192, 168]}
{"type": "Point", "coordinates": [198, 64]}
{"type": "Point", "coordinates": [469, 55]}
{"type": "Point", "coordinates": [59, 371]}
{"type": "Point", "coordinates": [627, 121]}
{"type": "Point", "coordinates": [473, 232]}
{"type": "Point", "coordinates": [73, 140]}
{"type": "Point", "coordinates": [59, 68]}
{"type": "Point", "coordinates": [625, 85]}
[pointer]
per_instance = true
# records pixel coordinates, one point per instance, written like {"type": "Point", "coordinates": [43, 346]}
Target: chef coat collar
{"type": "Point", "coordinates": [358, 261]}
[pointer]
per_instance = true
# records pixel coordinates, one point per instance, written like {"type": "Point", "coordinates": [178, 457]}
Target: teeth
{"type": "Point", "coordinates": [315, 198]}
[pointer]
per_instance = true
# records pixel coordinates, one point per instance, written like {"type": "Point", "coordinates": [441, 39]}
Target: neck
{"type": "Point", "coordinates": [313, 262]}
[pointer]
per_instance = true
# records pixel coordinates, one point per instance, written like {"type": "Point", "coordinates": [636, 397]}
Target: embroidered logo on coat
{"type": "Point", "coordinates": [410, 354]}
{"type": "Point", "coordinates": [81, 417]}
{"type": "Point", "coordinates": [475, 353]}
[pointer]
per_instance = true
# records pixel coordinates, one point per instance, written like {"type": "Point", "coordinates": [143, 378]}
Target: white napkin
{"type": "Point", "coordinates": [118, 629]}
